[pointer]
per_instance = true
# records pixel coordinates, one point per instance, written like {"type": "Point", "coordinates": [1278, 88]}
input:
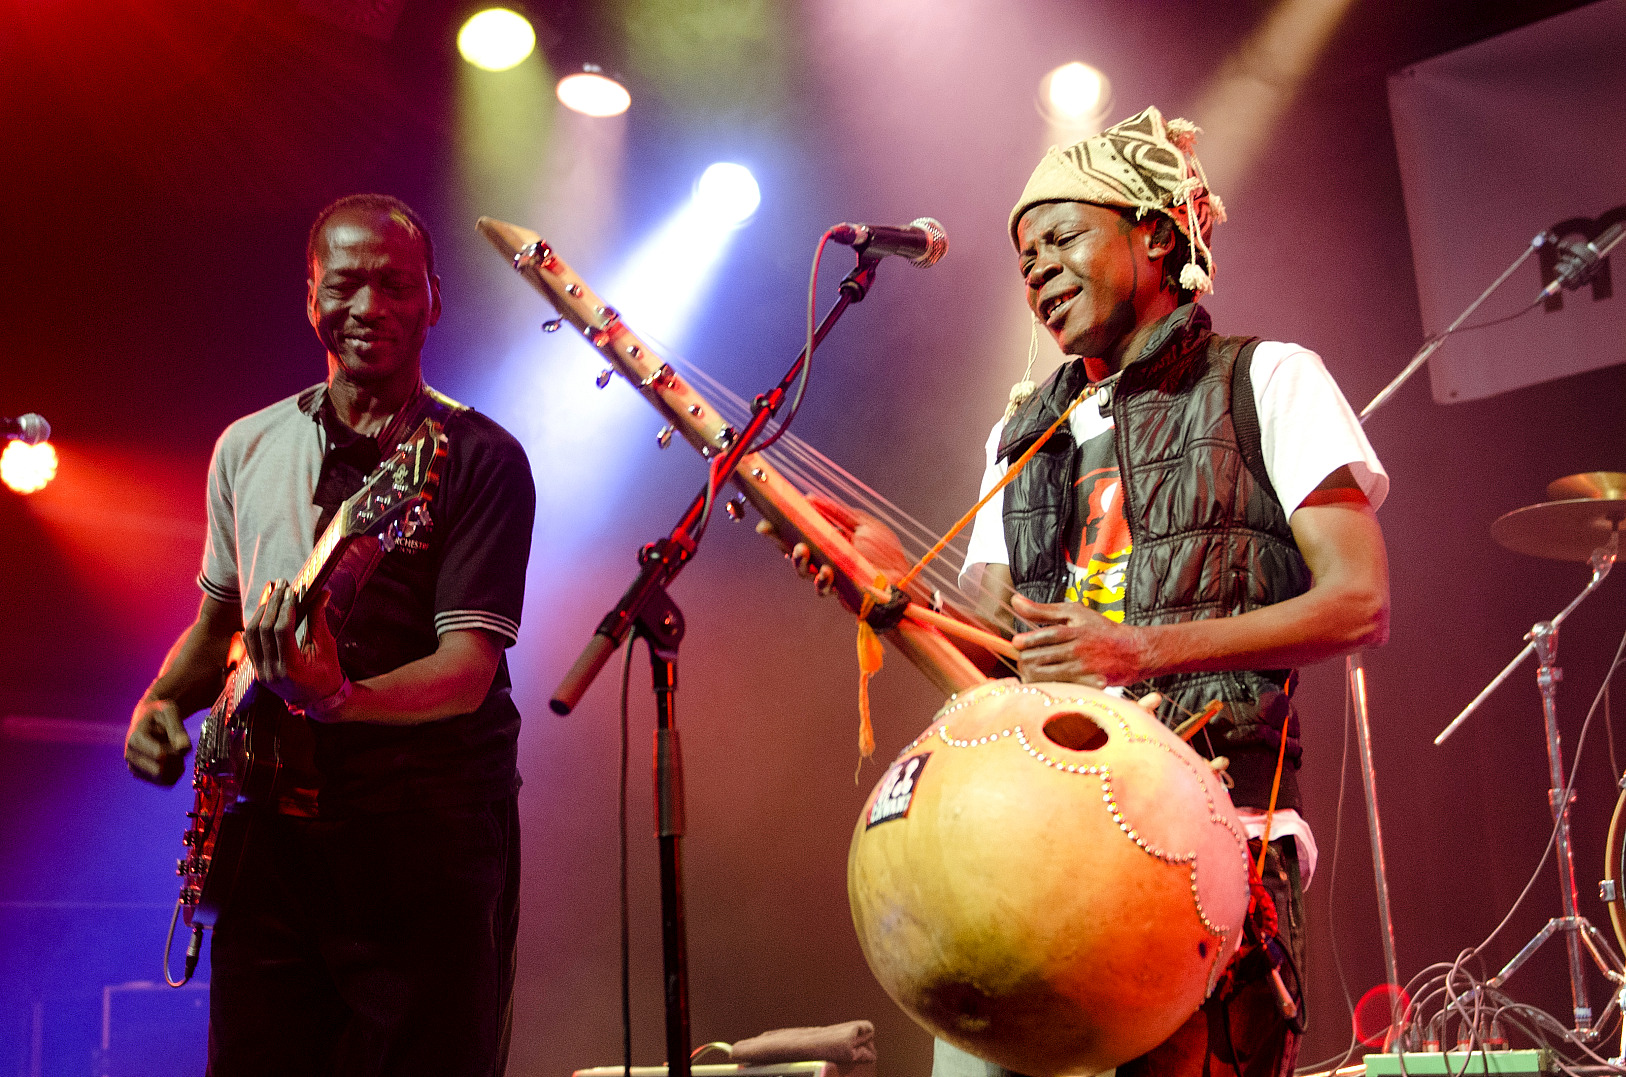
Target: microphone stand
{"type": "Point", "coordinates": [648, 612]}
{"type": "Point", "coordinates": [1355, 671]}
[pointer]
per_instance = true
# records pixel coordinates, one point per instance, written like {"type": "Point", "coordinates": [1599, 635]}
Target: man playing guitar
{"type": "Point", "coordinates": [372, 923]}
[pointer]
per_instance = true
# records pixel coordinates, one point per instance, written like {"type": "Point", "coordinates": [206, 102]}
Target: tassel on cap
{"type": "Point", "coordinates": [1019, 395]}
{"type": "Point", "coordinates": [1193, 279]}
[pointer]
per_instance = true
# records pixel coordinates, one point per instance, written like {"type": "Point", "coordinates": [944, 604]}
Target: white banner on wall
{"type": "Point", "coordinates": [1499, 142]}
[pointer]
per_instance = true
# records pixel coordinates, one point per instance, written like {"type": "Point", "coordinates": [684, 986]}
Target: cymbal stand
{"type": "Point", "coordinates": [1578, 930]}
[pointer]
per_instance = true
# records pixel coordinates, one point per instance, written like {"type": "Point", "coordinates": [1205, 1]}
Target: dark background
{"type": "Point", "coordinates": [161, 164]}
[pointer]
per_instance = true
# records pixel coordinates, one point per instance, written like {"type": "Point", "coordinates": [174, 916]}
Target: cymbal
{"type": "Point", "coordinates": [1608, 485]}
{"type": "Point", "coordinates": [1567, 530]}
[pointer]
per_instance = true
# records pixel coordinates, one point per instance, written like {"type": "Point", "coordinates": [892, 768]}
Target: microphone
{"type": "Point", "coordinates": [922, 240]}
{"type": "Point", "coordinates": [30, 429]}
{"type": "Point", "coordinates": [1578, 261]}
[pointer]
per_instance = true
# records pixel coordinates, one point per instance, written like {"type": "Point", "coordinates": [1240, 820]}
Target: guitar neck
{"type": "Point", "coordinates": [324, 558]}
{"type": "Point", "coordinates": [792, 515]}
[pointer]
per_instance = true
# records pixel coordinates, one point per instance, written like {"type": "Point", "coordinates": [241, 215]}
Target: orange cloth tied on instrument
{"type": "Point", "coordinates": [870, 658]}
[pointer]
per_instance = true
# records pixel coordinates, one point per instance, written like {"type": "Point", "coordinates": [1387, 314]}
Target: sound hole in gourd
{"type": "Point", "coordinates": [1074, 730]}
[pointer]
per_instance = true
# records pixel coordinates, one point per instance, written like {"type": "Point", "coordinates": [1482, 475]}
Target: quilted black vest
{"type": "Point", "coordinates": [1209, 538]}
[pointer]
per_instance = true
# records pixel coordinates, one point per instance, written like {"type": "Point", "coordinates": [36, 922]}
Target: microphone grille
{"type": "Point", "coordinates": [34, 429]}
{"type": "Point", "coordinates": [937, 244]}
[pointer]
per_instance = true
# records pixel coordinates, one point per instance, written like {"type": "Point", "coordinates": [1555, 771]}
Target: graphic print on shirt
{"type": "Point", "coordinates": [1098, 537]}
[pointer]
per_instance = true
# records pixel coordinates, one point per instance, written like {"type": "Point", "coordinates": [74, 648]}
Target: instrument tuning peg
{"type": "Point", "coordinates": [664, 436]}
{"type": "Point", "coordinates": [604, 377]}
{"type": "Point", "coordinates": [552, 325]}
{"type": "Point", "coordinates": [736, 507]}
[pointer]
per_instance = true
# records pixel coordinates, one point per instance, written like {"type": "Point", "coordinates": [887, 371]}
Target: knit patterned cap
{"type": "Point", "coordinates": [1141, 164]}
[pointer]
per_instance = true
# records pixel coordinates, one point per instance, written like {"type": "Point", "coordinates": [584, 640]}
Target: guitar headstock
{"type": "Point", "coordinates": [394, 501]}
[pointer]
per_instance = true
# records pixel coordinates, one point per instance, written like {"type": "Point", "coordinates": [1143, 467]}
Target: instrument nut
{"type": "Point", "coordinates": [634, 351]}
{"type": "Point", "coordinates": [664, 436]}
{"type": "Point", "coordinates": [603, 378]}
{"type": "Point", "coordinates": [696, 410]}
{"type": "Point", "coordinates": [758, 474]}
{"type": "Point", "coordinates": [574, 289]}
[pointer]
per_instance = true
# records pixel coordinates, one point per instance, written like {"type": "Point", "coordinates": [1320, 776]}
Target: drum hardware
{"type": "Point", "coordinates": [1590, 511]}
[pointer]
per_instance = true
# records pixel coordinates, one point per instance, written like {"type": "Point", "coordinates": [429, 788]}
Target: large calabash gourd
{"type": "Point", "coordinates": [1048, 878]}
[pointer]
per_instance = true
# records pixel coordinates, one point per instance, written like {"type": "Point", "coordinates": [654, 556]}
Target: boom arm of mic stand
{"type": "Point", "coordinates": [1433, 344]}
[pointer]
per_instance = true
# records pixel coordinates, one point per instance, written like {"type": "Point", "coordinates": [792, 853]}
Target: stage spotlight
{"type": "Point", "coordinates": [1075, 96]}
{"type": "Point", "coordinates": [27, 468]}
{"type": "Point", "coordinates": [496, 39]}
{"type": "Point", "coordinates": [592, 92]}
{"type": "Point", "coordinates": [727, 193]}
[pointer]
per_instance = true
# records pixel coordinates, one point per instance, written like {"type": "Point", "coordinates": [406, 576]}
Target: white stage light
{"type": "Point", "coordinates": [1075, 96]}
{"type": "Point", "coordinates": [728, 193]}
{"type": "Point", "coordinates": [593, 93]}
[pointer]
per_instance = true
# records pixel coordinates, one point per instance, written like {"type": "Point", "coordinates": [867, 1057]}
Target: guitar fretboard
{"type": "Point", "coordinates": [325, 546]}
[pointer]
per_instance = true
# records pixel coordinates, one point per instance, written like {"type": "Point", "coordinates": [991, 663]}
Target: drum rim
{"type": "Point", "coordinates": [1614, 865]}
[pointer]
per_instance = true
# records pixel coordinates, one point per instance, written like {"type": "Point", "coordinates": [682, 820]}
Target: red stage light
{"type": "Point", "coordinates": [27, 468]}
{"type": "Point", "coordinates": [1375, 1011]}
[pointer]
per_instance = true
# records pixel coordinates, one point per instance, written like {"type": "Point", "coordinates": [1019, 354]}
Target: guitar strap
{"type": "Point", "coordinates": [362, 558]}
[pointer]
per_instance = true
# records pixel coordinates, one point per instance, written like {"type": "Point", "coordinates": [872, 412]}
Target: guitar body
{"type": "Point", "coordinates": [251, 755]}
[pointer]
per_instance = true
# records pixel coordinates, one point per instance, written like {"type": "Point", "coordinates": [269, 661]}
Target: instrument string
{"type": "Point", "coordinates": [814, 471]}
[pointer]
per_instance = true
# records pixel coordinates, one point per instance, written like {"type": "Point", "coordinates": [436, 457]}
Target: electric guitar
{"type": "Point", "coordinates": [251, 749]}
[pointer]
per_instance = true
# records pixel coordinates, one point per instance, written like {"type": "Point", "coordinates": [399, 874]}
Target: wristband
{"type": "Point", "coordinates": [329, 703]}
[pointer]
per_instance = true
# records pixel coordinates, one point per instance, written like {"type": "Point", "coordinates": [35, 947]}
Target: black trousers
{"type": "Point", "coordinates": [382, 944]}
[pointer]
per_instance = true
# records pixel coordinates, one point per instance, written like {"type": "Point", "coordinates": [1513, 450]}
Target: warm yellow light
{"type": "Point", "coordinates": [26, 468]}
{"type": "Point", "coordinates": [593, 93]}
{"type": "Point", "coordinates": [496, 39]}
{"type": "Point", "coordinates": [1074, 95]}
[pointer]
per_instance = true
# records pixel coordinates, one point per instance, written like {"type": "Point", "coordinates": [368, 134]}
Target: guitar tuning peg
{"type": "Point", "coordinates": [604, 377]}
{"type": "Point", "coordinates": [736, 507]}
{"type": "Point", "coordinates": [664, 436]}
{"type": "Point", "coordinates": [552, 325]}
{"type": "Point", "coordinates": [390, 536]}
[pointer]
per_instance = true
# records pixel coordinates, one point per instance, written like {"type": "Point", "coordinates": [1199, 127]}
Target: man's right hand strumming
{"type": "Point", "coordinates": [155, 747]}
{"type": "Point", "coordinates": [192, 675]}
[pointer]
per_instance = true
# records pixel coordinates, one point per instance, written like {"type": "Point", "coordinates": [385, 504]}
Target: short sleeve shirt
{"type": "Point", "coordinates": [468, 572]}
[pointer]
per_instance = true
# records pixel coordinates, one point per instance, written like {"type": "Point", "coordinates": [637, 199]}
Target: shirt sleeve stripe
{"type": "Point", "coordinates": [457, 620]}
{"type": "Point", "coordinates": [217, 592]}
